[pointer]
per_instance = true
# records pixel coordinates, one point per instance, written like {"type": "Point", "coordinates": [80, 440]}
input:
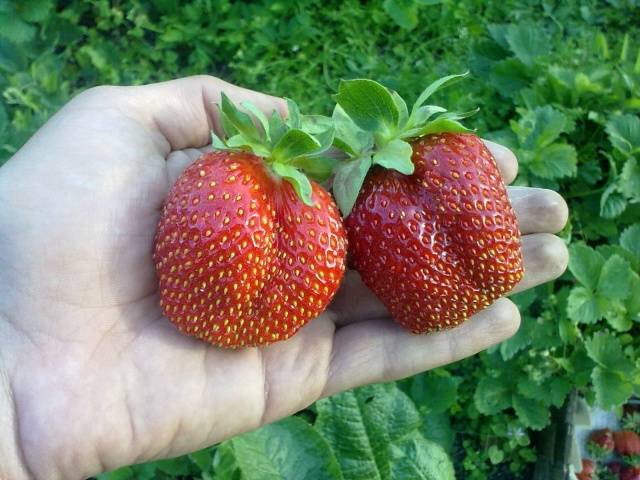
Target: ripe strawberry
{"type": "Point", "coordinates": [587, 470]}
{"type": "Point", "coordinates": [626, 443]}
{"type": "Point", "coordinates": [431, 213]}
{"type": "Point", "coordinates": [248, 250]}
{"type": "Point", "coordinates": [600, 443]}
{"type": "Point", "coordinates": [630, 473]}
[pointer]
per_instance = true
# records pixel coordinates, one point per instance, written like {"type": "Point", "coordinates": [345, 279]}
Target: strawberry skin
{"type": "Point", "coordinates": [441, 244]}
{"type": "Point", "coordinates": [630, 473]}
{"type": "Point", "coordinates": [241, 260]}
{"type": "Point", "coordinates": [587, 470]}
{"type": "Point", "coordinates": [626, 442]}
{"type": "Point", "coordinates": [600, 443]}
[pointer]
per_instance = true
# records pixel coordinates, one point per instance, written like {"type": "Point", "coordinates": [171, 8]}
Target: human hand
{"type": "Point", "coordinates": [93, 377]}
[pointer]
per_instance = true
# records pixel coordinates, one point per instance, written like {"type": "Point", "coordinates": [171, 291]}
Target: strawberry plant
{"type": "Point", "coordinates": [557, 82]}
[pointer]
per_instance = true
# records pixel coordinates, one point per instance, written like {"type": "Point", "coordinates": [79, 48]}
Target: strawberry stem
{"type": "Point", "coordinates": [373, 127]}
{"type": "Point", "coordinates": [293, 147]}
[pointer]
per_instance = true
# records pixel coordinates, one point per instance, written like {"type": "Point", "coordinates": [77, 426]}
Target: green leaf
{"type": "Point", "coordinates": [403, 12]}
{"type": "Point", "coordinates": [12, 57]}
{"type": "Point", "coordinates": [616, 316]}
{"type": "Point", "coordinates": [509, 76]}
{"type": "Point", "coordinates": [415, 457]}
{"type": "Point", "coordinates": [611, 388]}
{"type": "Point", "coordinates": [432, 88]}
{"type": "Point", "coordinates": [259, 114]}
{"type": "Point", "coordinates": [609, 250]}
{"type": "Point", "coordinates": [297, 179]}
{"type": "Point", "coordinates": [203, 459]}
{"type": "Point", "coordinates": [630, 179]}
{"type": "Point", "coordinates": [434, 392]}
{"type": "Point", "coordinates": [540, 127]}
{"type": "Point", "coordinates": [630, 239]}
{"type": "Point", "coordinates": [174, 466]}
{"type": "Point", "coordinates": [624, 133]}
{"type": "Point", "coordinates": [243, 142]}
{"type": "Point", "coordinates": [422, 115]}
{"type": "Point", "coordinates": [532, 389]}
{"type": "Point", "coordinates": [395, 155]}
{"type": "Point", "coordinates": [294, 119]}
{"type": "Point", "coordinates": [317, 167]}
{"type": "Point", "coordinates": [402, 108]}
{"type": "Point", "coordinates": [437, 428]}
{"type": "Point", "coordinates": [585, 264]}
{"type": "Point", "coordinates": [559, 388]}
{"type": "Point", "coordinates": [277, 127]}
{"type": "Point", "coordinates": [225, 463]}
{"type": "Point", "coordinates": [533, 413]}
{"type": "Point", "coordinates": [578, 365]}
{"type": "Point", "coordinates": [582, 306]}
{"type": "Point", "coordinates": [321, 128]}
{"type": "Point", "coordinates": [361, 425]}
{"type": "Point", "coordinates": [612, 202]}
{"type": "Point", "coordinates": [287, 450]}
{"type": "Point", "coordinates": [521, 340]}
{"type": "Point", "coordinates": [439, 125]}
{"type": "Point", "coordinates": [555, 161]}
{"type": "Point", "coordinates": [34, 10]}
{"type": "Point", "coordinates": [496, 455]}
{"type": "Point", "coordinates": [350, 176]}
{"type": "Point", "coordinates": [4, 119]}
{"type": "Point", "coordinates": [492, 395]}
{"type": "Point", "coordinates": [615, 276]}
{"type": "Point", "coordinates": [525, 299]}
{"type": "Point", "coordinates": [15, 29]}
{"type": "Point", "coordinates": [527, 41]}
{"type": "Point", "coordinates": [348, 136]}
{"type": "Point", "coordinates": [240, 120]}
{"type": "Point", "coordinates": [216, 142]}
{"type": "Point", "coordinates": [294, 143]}
{"type": "Point", "coordinates": [124, 473]}
{"type": "Point", "coordinates": [369, 104]}
{"type": "Point", "coordinates": [568, 331]}
{"type": "Point", "coordinates": [633, 302]}
{"type": "Point", "coordinates": [605, 349]}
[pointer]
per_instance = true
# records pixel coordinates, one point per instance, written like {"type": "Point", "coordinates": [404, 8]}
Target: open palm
{"type": "Point", "coordinates": [92, 376]}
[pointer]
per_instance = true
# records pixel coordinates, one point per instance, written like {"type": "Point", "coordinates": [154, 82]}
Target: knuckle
{"type": "Point", "coordinates": [99, 94]}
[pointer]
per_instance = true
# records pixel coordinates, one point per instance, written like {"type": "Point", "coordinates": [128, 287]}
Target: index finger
{"type": "Point", "coordinates": [183, 112]}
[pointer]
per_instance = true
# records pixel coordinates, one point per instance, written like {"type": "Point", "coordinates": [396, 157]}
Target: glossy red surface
{"type": "Point", "coordinates": [240, 258]}
{"type": "Point", "coordinates": [441, 244]}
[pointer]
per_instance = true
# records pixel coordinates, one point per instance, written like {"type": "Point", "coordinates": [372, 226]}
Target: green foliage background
{"type": "Point", "coordinates": [557, 81]}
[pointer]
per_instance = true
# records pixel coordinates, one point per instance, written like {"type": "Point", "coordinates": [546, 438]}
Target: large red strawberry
{"type": "Point", "coordinates": [430, 227]}
{"type": "Point", "coordinates": [600, 443]}
{"type": "Point", "coordinates": [627, 443]}
{"type": "Point", "coordinates": [248, 250]}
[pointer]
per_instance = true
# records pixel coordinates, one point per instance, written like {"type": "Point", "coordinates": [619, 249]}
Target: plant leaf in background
{"type": "Point", "coordinates": [287, 450]}
{"type": "Point", "coordinates": [369, 429]}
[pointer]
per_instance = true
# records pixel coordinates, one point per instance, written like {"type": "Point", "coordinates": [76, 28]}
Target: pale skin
{"type": "Point", "coordinates": [93, 377]}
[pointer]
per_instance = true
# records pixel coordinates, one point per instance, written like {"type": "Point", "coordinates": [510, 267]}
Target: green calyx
{"type": "Point", "coordinates": [292, 147]}
{"type": "Point", "coordinates": [373, 126]}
